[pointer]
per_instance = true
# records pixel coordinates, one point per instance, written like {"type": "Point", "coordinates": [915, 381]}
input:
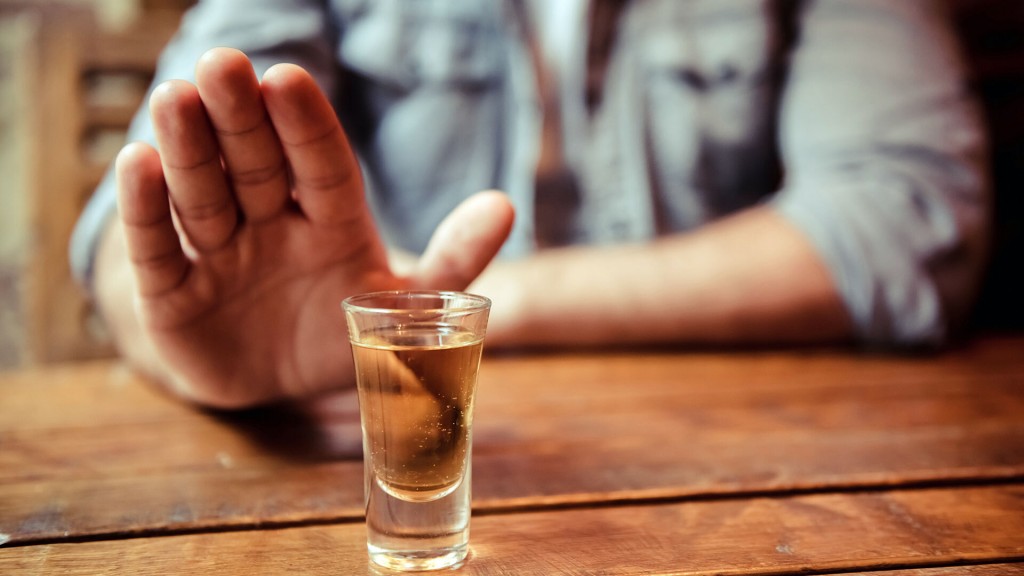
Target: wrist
{"type": "Point", "coordinates": [502, 285]}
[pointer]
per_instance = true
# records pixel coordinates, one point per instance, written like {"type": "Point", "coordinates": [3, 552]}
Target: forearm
{"type": "Point", "coordinates": [750, 278]}
{"type": "Point", "coordinates": [114, 293]}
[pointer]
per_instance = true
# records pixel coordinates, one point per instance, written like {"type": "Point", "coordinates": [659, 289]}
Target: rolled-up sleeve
{"type": "Point", "coordinates": [886, 161]}
{"type": "Point", "coordinates": [268, 31]}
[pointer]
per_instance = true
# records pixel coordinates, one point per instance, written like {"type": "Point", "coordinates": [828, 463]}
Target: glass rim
{"type": "Point", "coordinates": [472, 302]}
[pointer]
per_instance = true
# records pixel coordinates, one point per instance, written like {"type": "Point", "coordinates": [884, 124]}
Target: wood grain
{"type": "Point", "coordinates": [905, 532]}
{"type": "Point", "coordinates": [89, 450]}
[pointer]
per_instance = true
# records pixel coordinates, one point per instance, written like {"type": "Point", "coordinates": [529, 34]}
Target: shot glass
{"type": "Point", "coordinates": [417, 355]}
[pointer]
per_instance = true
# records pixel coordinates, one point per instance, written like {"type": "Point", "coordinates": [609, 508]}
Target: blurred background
{"type": "Point", "coordinates": [72, 72]}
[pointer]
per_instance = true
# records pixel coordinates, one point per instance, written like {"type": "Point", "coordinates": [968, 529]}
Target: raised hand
{"type": "Point", "coordinates": [249, 226]}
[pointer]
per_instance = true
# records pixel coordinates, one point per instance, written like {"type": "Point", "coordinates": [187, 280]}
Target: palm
{"type": "Point", "coordinates": [261, 317]}
{"type": "Point", "coordinates": [241, 273]}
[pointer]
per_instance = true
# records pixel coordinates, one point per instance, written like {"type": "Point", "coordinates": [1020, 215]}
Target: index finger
{"type": "Point", "coordinates": [154, 249]}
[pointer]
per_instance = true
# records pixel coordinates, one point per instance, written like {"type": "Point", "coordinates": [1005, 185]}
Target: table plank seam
{"type": "Point", "coordinates": [497, 510]}
{"type": "Point", "coordinates": [867, 568]}
{"type": "Point", "coordinates": [613, 500]}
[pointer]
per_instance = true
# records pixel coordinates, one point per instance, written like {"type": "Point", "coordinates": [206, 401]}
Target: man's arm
{"type": "Point", "coordinates": [114, 295]}
{"type": "Point", "coordinates": [749, 278]}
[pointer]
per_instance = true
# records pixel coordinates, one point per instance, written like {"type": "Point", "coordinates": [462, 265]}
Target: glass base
{"type": "Point", "coordinates": [417, 561]}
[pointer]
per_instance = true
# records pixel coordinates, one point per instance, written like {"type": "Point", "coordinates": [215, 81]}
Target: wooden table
{"type": "Point", "coordinates": [782, 462]}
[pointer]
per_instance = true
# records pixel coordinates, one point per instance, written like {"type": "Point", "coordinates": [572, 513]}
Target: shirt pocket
{"type": "Point", "coordinates": [722, 56]}
{"type": "Point", "coordinates": [410, 44]}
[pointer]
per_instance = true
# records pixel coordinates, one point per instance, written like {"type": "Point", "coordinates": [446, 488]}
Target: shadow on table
{"type": "Point", "coordinates": [323, 430]}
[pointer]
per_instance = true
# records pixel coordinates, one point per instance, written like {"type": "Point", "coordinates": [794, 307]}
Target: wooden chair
{"type": "Point", "coordinates": [82, 87]}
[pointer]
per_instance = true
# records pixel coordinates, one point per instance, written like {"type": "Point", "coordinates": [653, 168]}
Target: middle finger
{"type": "Point", "coordinates": [252, 153]}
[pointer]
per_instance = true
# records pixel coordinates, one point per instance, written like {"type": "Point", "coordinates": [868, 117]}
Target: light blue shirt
{"type": "Point", "coordinates": [851, 118]}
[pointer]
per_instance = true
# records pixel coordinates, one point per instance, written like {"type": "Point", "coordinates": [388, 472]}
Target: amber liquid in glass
{"type": "Point", "coordinates": [416, 401]}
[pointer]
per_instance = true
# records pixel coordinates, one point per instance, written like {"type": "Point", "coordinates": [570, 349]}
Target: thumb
{"type": "Point", "coordinates": [465, 242]}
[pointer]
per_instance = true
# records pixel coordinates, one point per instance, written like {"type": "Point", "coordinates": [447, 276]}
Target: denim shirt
{"type": "Point", "coordinates": [851, 118]}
